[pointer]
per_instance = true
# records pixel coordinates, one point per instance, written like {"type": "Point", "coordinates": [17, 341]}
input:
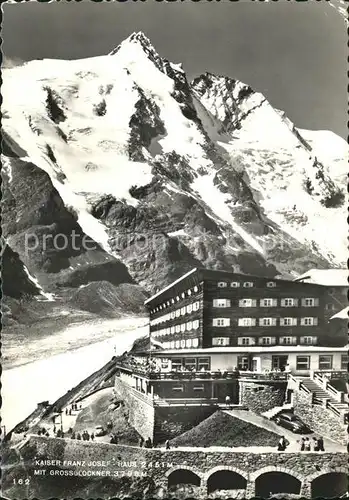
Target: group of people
{"type": "Point", "coordinates": [318, 444]}
{"type": "Point", "coordinates": [84, 436]}
{"type": "Point", "coordinates": [43, 432]}
{"type": "Point", "coordinates": [146, 444]}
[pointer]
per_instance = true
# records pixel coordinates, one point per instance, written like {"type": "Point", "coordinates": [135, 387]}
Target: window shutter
{"type": "Point", "coordinates": [303, 302]}
{"type": "Point", "coordinates": [275, 302]}
{"type": "Point", "coordinates": [282, 302]}
{"type": "Point", "coordinates": [254, 303]}
{"type": "Point", "coordinates": [303, 321]}
{"type": "Point", "coordinates": [228, 303]}
{"type": "Point", "coordinates": [241, 303]}
{"type": "Point", "coordinates": [315, 321]}
{"type": "Point", "coordinates": [239, 341]}
{"type": "Point", "coordinates": [294, 321]}
{"type": "Point", "coordinates": [295, 302]}
{"type": "Point", "coordinates": [273, 321]}
{"type": "Point", "coordinates": [282, 322]}
{"type": "Point", "coordinates": [253, 321]}
{"type": "Point", "coordinates": [272, 340]}
{"type": "Point", "coordinates": [316, 302]}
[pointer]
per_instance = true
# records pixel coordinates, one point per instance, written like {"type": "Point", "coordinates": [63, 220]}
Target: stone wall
{"type": "Point", "coordinates": [159, 463]}
{"type": "Point", "coordinates": [170, 422]}
{"type": "Point", "coordinates": [317, 417]}
{"type": "Point", "coordinates": [261, 396]}
{"type": "Point", "coordinates": [141, 409]}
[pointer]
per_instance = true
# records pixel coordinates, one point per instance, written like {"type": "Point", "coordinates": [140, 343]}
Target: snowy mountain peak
{"type": "Point", "coordinates": [118, 146]}
{"type": "Point", "coordinates": [139, 43]}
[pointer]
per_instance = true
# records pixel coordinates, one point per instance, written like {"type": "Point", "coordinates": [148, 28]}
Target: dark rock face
{"type": "Point", "coordinates": [15, 281]}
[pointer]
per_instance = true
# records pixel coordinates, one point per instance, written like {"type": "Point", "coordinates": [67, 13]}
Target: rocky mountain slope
{"type": "Point", "coordinates": [117, 172]}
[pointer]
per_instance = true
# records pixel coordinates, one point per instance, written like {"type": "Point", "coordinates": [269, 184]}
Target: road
{"type": "Point", "coordinates": [51, 377]}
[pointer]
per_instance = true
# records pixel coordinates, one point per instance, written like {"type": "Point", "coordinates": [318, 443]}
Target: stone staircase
{"type": "Point", "coordinates": [322, 393]}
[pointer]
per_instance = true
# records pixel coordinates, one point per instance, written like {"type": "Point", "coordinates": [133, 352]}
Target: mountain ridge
{"type": "Point", "coordinates": [202, 173]}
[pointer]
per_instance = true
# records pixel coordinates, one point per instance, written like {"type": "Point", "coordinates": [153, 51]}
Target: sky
{"type": "Point", "coordinates": [295, 53]}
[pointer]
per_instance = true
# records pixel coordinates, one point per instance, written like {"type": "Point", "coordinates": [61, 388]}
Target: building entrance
{"type": "Point", "coordinates": [279, 362]}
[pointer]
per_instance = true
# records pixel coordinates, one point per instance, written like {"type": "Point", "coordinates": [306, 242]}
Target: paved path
{"type": "Point", "coordinates": [253, 418]}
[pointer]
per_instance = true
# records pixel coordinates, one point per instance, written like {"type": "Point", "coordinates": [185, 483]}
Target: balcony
{"type": "Point", "coordinates": [264, 376]}
{"type": "Point", "coordinates": [192, 375]}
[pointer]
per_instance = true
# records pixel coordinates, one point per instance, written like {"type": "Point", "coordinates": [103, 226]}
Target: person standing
{"type": "Point", "coordinates": [282, 444]}
{"type": "Point", "coordinates": [167, 444]}
{"type": "Point", "coordinates": [307, 444]}
{"type": "Point", "coordinates": [316, 444]}
{"type": "Point", "coordinates": [320, 444]}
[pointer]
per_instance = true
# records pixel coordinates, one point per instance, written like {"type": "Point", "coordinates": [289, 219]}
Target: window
{"type": "Point", "coordinates": [173, 314]}
{"type": "Point", "coordinates": [172, 301]}
{"type": "Point", "coordinates": [196, 324]}
{"type": "Point", "coordinates": [177, 298]}
{"type": "Point", "coordinates": [203, 363]}
{"type": "Point", "coordinates": [245, 341]}
{"type": "Point", "coordinates": [247, 322]}
{"type": "Point", "coordinates": [310, 302]}
{"type": "Point", "coordinates": [288, 321]}
{"type": "Point", "coordinates": [243, 363]}
{"type": "Point", "coordinates": [172, 344]}
{"type": "Point", "coordinates": [220, 341]}
{"type": "Point", "coordinates": [221, 303]}
{"type": "Point", "coordinates": [182, 343]}
{"type": "Point", "coordinates": [172, 329]}
{"type": "Point", "coordinates": [178, 388]}
{"type": "Point", "coordinates": [325, 362]}
{"type": "Point", "coordinates": [195, 342]}
{"type": "Point", "coordinates": [196, 289]}
{"type": "Point", "coordinates": [302, 362]}
{"type": "Point", "coordinates": [190, 363]}
{"type": "Point", "coordinates": [344, 362]}
{"type": "Point", "coordinates": [267, 340]}
{"type": "Point", "coordinates": [235, 284]}
{"type": "Point", "coordinates": [177, 344]}
{"type": "Point", "coordinates": [196, 306]}
{"type": "Point", "coordinates": [178, 328]}
{"type": "Point", "coordinates": [189, 308]}
{"type": "Point", "coordinates": [267, 321]}
{"type": "Point", "coordinates": [329, 307]}
{"type": "Point", "coordinates": [178, 313]}
{"type": "Point", "coordinates": [309, 321]}
{"type": "Point", "coordinates": [183, 295]}
{"type": "Point", "coordinates": [189, 325]}
{"type": "Point", "coordinates": [221, 284]}
{"type": "Point", "coordinates": [247, 303]}
{"type": "Point", "coordinates": [183, 311]}
{"type": "Point", "coordinates": [183, 327]}
{"type": "Point", "coordinates": [189, 292]}
{"type": "Point", "coordinates": [176, 363]}
{"type": "Point", "coordinates": [199, 387]}
{"type": "Point", "coordinates": [248, 284]}
{"type": "Point", "coordinates": [188, 343]}
{"type": "Point", "coordinates": [268, 302]}
{"type": "Point", "coordinates": [271, 284]}
{"type": "Point", "coordinates": [289, 302]}
{"type": "Point", "coordinates": [287, 340]}
{"type": "Point", "coordinates": [308, 340]}
{"type": "Point", "coordinates": [221, 322]}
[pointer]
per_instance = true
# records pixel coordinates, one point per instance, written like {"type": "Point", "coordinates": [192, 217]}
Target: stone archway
{"type": "Point", "coordinates": [329, 483]}
{"type": "Point", "coordinates": [183, 480]}
{"type": "Point", "coordinates": [272, 481]}
{"type": "Point", "coordinates": [226, 479]}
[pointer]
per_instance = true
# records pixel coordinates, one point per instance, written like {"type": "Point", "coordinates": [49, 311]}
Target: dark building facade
{"type": "Point", "coordinates": [207, 308]}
